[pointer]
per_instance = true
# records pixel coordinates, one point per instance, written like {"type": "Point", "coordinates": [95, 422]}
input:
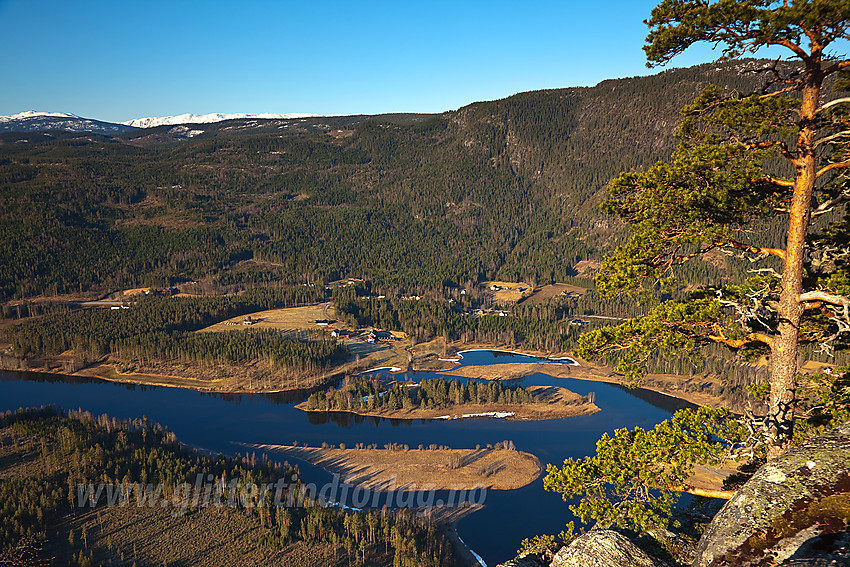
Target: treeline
{"type": "Point", "coordinates": [158, 327]}
{"type": "Point", "coordinates": [430, 318]}
{"type": "Point", "coordinates": [368, 394]}
{"type": "Point", "coordinates": [402, 537]}
{"type": "Point", "coordinates": [317, 352]}
{"type": "Point", "coordinates": [79, 448]}
{"type": "Point", "coordinates": [68, 450]}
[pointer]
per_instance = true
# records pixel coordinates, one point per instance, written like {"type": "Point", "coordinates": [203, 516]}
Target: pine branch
{"type": "Point", "coordinates": [842, 134]}
{"type": "Point", "coordinates": [778, 252]}
{"type": "Point", "coordinates": [830, 167]}
{"type": "Point", "coordinates": [722, 494]}
{"type": "Point", "coordinates": [824, 296]}
{"type": "Point", "coordinates": [828, 206]}
{"type": "Point", "coordinates": [833, 103]}
{"type": "Point", "coordinates": [738, 343]}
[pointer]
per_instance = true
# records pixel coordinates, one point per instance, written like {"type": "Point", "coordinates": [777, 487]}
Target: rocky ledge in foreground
{"type": "Point", "coordinates": [795, 510]}
{"type": "Point", "coordinates": [596, 548]}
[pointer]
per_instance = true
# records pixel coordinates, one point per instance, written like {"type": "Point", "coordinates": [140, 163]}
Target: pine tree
{"type": "Point", "coordinates": [777, 155]}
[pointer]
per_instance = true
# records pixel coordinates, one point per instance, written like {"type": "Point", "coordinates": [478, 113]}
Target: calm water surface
{"type": "Point", "coordinates": [220, 422]}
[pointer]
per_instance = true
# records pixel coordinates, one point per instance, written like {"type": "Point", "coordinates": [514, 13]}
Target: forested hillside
{"type": "Point", "coordinates": [81, 490]}
{"type": "Point", "coordinates": [505, 189]}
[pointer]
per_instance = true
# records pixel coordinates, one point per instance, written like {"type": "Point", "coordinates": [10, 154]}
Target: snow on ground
{"type": "Point", "coordinates": [495, 414]}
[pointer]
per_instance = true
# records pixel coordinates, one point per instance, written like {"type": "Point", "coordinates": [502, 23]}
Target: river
{"type": "Point", "coordinates": [221, 422]}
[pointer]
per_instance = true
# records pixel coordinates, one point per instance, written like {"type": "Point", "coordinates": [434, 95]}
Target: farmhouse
{"type": "Point", "coordinates": [381, 336]}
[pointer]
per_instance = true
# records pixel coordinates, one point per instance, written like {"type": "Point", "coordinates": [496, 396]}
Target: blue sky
{"type": "Point", "coordinates": [116, 60]}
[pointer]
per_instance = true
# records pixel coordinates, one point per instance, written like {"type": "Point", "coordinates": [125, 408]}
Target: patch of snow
{"type": "Point", "coordinates": [493, 414]}
{"type": "Point", "coordinates": [567, 360]}
{"type": "Point", "coordinates": [153, 121]}
{"type": "Point", "coordinates": [390, 368]}
{"type": "Point", "coordinates": [477, 557]}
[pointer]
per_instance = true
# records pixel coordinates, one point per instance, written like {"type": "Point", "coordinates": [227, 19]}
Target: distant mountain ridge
{"type": "Point", "coordinates": [36, 121]}
{"type": "Point", "coordinates": [154, 121]}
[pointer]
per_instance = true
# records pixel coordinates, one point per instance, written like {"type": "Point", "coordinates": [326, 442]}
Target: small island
{"type": "Point", "coordinates": [449, 399]}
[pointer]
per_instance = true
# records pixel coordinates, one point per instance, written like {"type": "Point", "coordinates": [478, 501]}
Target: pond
{"type": "Point", "coordinates": [221, 422]}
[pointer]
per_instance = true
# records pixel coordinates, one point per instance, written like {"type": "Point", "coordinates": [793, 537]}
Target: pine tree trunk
{"type": "Point", "coordinates": [783, 379]}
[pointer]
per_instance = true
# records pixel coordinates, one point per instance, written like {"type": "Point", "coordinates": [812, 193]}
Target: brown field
{"type": "Point", "coordinates": [438, 469]}
{"type": "Point", "coordinates": [134, 291]}
{"type": "Point", "coordinates": [513, 371]}
{"type": "Point", "coordinates": [547, 292]}
{"type": "Point", "coordinates": [510, 292]}
{"type": "Point", "coordinates": [290, 318]}
{"type": "Point", "coordinates": [206, 536]}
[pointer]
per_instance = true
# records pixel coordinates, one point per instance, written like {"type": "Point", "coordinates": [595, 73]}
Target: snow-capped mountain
{"type": "Point", "coordinates": [36, 121]}
{"type": "Point", "coordinates": [35, 114]}
{"type": "Point", "coordinates": [153, 121]}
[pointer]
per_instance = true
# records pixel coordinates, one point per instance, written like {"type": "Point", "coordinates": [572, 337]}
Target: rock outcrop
{"type": "Point", "coordinates": [602, 548]}
{"type": "Point", "coordinates": [524, 561]}
{"type": "Point", "coordinates": [794, 510]}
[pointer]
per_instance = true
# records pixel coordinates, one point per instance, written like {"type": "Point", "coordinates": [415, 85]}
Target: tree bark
{"type": "Point", "coordinates": [783, 379]}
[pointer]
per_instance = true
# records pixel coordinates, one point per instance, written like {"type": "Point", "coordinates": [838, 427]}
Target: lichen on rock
{"type": "Point", "coordinates": [792, 507]}
{"type": "Point", "coordinates": [602, 548]}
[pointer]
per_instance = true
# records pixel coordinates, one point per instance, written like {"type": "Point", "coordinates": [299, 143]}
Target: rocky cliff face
{"type": "Point", "coordinates": [795, 510]}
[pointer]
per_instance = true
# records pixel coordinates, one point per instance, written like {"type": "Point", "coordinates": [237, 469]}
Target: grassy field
{"type": "Point", "coordinates": [288, 319]}
{"type": "Point", "coordinates": [547, 292]}
{"type": "Point", "coordinates": [440, 469]}
{"type": "Point", "coordinates": [509, 292]}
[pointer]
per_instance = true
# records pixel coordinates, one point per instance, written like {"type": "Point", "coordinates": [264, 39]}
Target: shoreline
{"type": "Point", "coordinates": [551, 402]}
{"type": "Point", "coordinates": [469, 411]}
{"type": "Point", "coordinates": [582, 370]}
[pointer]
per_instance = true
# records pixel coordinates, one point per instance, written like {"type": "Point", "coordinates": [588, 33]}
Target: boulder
{"type": "Point", "coordinates": [602, 548]}
{"type": "Point", "coordinates": [795, 510]}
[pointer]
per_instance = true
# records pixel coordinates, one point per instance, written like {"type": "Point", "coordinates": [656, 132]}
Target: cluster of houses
{"type": "Point", "coordinates": [374, 336]}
